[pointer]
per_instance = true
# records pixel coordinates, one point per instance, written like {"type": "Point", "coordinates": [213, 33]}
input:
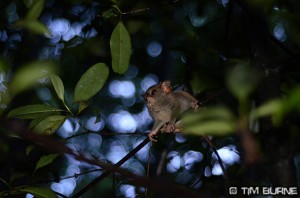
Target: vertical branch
{"type": "Point", "coordinates": [148, 169]}
{"type": "Point", "coordinates": [220, 162]}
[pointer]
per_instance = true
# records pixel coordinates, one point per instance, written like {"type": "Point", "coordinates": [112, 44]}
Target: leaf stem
{"type": "Point", "coordinates": [5, 183]}
{"type": "Point", "coordinates": [68, 109]}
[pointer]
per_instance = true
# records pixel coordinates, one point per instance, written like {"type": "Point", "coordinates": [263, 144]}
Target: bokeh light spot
{"type": "Point", "coordinates": [154, 49]}
{"type": "Point", "coordinates": [148, 81]}
{"type": "Point", "coordinates": [228, 154]}
{"type": "Point", "coordinates": [125, 89]}
{"type": "Point", "coordinates": [122, 122]}
{"type": "Point", "coordinates": [174, 162]}
{"type": "Point", "coordinates": [92, 126]}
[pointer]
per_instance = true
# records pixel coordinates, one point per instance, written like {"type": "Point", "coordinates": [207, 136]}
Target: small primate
{"type": "Point", "coordinates": [165, 105]}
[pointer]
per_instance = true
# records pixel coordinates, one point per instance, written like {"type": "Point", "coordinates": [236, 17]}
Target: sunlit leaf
{"type": "Point", "coordinates": [35, 10]}
{"type": "Point", "coordinates": [58, 86]}
{"type": "Point", "coordinates": [242, 80]}
{"type": "Point", "coordinates": [29, 75]}
{"type": "Point", "coordinates": [45, 160]}
{"type": "Point", "coordinates": [120, 47]}
{"type": "Point", "coordinates": [32, 111]}
{"type": "Point", "coordinates": [34, 26]}
{"type": "Point", "coordinates": [91, 82]}
{"type": "Point", "coordinates": [49, 125]}
{"type": "Point", "coordinates": [39, 192]}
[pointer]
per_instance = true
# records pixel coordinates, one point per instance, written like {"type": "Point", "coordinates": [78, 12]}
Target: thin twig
{"type": "Point", "coordinates": [149, 8]}
{"type": "Point", "coordinates": [284, 48]}
{"type": "Point", "coordinates": [3, 181]}
{"type": "Point", "coordinates": [104, 133]}
{"type": "Point", "coordinates": [148, 169]}
{"type": "Point", "coordinates": [212, 96]}
{"type": "Point", "coordinates": [70, 176]}
{"type": "Point", "coordinates": [220, 161]}
{"type": "Point", "coordinates": [161, 162]}
{"type": "Point", "coordinates": [59, 194]}
{"type": "Point", "coordinates": [108, 172]}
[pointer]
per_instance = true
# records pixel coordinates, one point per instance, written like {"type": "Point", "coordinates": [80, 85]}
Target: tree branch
{"type": "Point", "coordinates": [103, 133]}
{"type": "Point", "coordinates": [76, 175]}
{"type": "Point", "coordinates": [149, 8]}
{"type": "Point", "coordinates": [108, 172]}
{"type": "Point", "coordinates": [212, 146]}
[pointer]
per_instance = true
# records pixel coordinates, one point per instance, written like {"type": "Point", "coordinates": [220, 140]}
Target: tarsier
{"type": "Point", "coordinates": [165, 105]}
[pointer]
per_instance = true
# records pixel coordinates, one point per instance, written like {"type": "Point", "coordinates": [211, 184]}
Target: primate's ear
{"type": "Point", "coordinates": [166, 86]}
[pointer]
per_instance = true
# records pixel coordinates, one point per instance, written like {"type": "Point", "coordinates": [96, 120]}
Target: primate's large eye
{"type": "Point", "coordinates": [153, 92]}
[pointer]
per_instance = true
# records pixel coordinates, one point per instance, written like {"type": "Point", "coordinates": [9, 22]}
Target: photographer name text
{"type": "Point", "coordinates": [263, 190]}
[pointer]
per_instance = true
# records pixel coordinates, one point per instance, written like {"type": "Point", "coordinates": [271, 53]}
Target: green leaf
{"type": "Point", "coordinates": [30, 75]}
{"type": "Point", "coordinates": [120, 47]}
{"type": "Point", "coordinates": [58, 86]}
{"type": "Point", "coordinates": [109, 13]}
{"type": "Point", "coordinates": [215, 127]}
{"type": "Point", "coordinates": [117, 9]}
{"type": "Point", "coordinates": [82, 106]}
{"type": "Point", "coordinates": [213, 113]}
{"type": "Point", "coordinates": [210, 121]}
{"type": "Point", "coordinates": [278, 108]}
{"type": "Point", "coordinates": [291, 103]}
{"type": "Point", "coordinates": [288, 105]}
{"type": "Point", "coordinates": [49, 125]}
{"type": "Point", "coordinates": [4, 100]}
{"type": "Point", "coordinates": [34, 26]}
{"type": "Point", "coordinates": [45, 160]}
{"type": "Point", "coordinates": [3, 194]}
{"type": "Point", "coordinates": [35, 10]}
{"type": "Point", "coordinates": [29, 148]}
{"type": "Point", "coordinates": [242, 80]}
{"type": "Point", "coordinates": [40, 118]}
{"type": "Point", "coordinates": [32, 111]}
{"type": "Point", "coordinates": [16, 175]}
{"type": "Point", "coordinates": [91, 82]}
{"type": "Point", "coordinates": [267, 109]}
{"type": "Point", "coordinates": [28, 3]}
{"type": "Point", "coordinates": [39, 192]}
